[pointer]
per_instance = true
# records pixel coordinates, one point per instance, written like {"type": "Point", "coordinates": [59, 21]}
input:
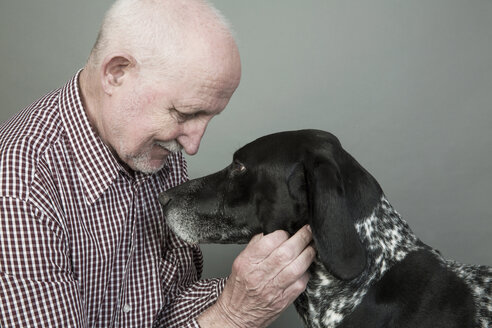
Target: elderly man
{"type": "Point", "coordinates": [82, 239]}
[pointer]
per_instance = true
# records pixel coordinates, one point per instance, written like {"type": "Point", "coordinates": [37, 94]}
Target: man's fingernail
{"type": "Point", "coordinates": [309, 228]}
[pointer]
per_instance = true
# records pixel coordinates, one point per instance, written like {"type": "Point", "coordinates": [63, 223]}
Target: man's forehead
{"type": "Point", "coordinates": [205, 94]}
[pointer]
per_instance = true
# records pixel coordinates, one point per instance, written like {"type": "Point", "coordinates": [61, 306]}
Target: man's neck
{"type": "Point", "coordinates": [89, 96]}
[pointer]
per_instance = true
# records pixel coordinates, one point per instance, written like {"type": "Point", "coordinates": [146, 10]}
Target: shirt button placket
{"type": "Point", "coordinates": [127, 308]}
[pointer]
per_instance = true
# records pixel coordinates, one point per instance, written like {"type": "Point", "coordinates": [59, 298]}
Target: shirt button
{"type": "Point", "coordinates": [127, 308]}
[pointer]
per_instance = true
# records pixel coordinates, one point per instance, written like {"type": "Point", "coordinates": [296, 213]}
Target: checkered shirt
{"type": "Point", "coordinates": [83, 242]}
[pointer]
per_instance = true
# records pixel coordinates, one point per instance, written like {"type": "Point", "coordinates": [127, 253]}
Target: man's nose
{"type": "Point", "coordinates": [191, 138]}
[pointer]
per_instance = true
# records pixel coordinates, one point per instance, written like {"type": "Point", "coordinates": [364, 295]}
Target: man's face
{"type": "Point", "coordinates": [146, 121]}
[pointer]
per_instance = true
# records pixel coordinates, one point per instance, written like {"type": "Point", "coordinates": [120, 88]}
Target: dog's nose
{"type": "Point", "coordinates": [164, 198]}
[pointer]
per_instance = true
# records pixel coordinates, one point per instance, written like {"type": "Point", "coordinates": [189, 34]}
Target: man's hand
{"type": "Point", "coordinates": [266, 277]}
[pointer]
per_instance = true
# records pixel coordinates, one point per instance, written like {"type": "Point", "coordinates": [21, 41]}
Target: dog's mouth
{"type": "Point", "coordinates": [196, 228]}
{"type": "Point", "coordinates": [207, 229]}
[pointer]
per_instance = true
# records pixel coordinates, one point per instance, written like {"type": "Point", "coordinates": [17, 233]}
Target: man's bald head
{"type": "Point", "coordinates": [160, 34]}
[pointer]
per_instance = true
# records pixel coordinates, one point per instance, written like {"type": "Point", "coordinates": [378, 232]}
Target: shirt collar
{"type": "Point", "coordinates": [97, 166]}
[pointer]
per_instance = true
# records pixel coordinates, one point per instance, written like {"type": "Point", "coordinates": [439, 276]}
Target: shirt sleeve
{"type": "Point", "coordinates": [185, 308]}
{"type": "Point", "coordinates": [187, 295]}
{"type": "Point", "coordinates": [37, 288]}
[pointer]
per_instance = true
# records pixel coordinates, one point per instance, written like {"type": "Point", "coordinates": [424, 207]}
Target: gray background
{"type": "Point", "coordinates": [405, 85]}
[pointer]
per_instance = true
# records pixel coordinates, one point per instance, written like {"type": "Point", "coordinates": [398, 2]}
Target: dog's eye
{"type": "Point", "coordinates": [237, 168]}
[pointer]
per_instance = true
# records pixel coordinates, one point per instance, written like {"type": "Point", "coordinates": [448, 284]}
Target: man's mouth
{"type": "Point", "coordinates": [170, 146]}
{"type": "Point", "coordinates": [161, 147]}
{"type": "Point", "coordinates": [162, 150]}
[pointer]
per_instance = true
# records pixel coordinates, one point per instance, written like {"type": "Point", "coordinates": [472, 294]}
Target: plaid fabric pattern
{"type": "Point", "coordinates": [82, 240]}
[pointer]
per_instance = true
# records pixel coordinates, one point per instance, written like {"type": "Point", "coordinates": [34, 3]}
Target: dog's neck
{"type": "Point", "coordinates": [387, 239]}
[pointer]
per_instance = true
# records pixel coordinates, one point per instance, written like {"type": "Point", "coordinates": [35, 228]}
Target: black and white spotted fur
{"type": "Point", "coordinates": [371, 270]}
{"type": "Point", "coordinates": [327, 300]}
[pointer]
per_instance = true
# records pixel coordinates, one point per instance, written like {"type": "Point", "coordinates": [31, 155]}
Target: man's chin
{"type": "Point", "coordinates": [148, 166]}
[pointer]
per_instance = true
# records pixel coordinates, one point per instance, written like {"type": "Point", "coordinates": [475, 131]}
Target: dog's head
{"type": "Point", "coordinates": [281, 181]}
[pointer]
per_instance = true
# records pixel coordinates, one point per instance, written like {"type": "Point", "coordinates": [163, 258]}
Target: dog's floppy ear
{"type": "Point", "coordinates": [334, 234]}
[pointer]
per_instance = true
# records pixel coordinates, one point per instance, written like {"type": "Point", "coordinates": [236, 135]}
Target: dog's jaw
{"type": "Point", "coordinates": [194, 229]}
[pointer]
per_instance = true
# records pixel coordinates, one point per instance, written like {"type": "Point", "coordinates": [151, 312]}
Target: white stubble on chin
{"type": "Point", "coordinates": [143, 162]}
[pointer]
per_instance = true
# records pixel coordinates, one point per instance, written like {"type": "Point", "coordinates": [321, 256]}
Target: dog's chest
{"type": "Point", "coordinates": [328, 300]}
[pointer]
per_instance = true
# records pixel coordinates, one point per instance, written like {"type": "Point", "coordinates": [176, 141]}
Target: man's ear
{"type": "Point", "coordinates": [115, 69]}
{"type": "Point", "coordinates": [338, 244]}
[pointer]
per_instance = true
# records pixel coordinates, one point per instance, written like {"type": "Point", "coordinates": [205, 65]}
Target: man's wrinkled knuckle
{"type": "Point", "coordinates": [268, 243]}
{"type": "Point", "coordinates": [253, 281]}
{"type": "Point", "coordinates": [280, 235]}
{"type": "Point", "coordinates": [239, 265]}
{"type": "Point", "coordinates": [284, 254]}
{"type": "Point", "coordinates": [295, 270]}
{"type": "Point", "coordinates": [300, 285]}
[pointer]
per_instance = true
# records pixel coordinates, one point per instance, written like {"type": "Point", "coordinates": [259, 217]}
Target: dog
{"type": "Point", "coordinates": [370, 269]}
